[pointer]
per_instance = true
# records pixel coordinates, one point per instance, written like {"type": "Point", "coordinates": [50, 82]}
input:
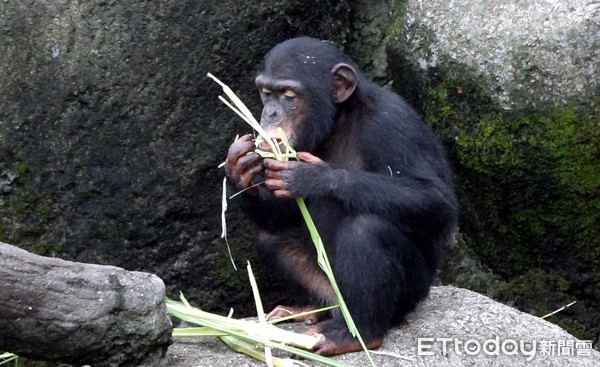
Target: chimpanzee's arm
{"type": "Point", "coordinates": [409, 198]}
{"type": "Point", "coordinates": [404, 199]}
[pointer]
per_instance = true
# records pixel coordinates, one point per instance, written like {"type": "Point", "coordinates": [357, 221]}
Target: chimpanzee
{"type": "Point", "coordinates": [374, 179]}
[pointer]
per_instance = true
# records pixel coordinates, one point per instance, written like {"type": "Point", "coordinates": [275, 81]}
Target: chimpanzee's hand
{"type": "Point", "coordinates": [242, 164]}
{"type": "Point", "coordinates": [294, 178]}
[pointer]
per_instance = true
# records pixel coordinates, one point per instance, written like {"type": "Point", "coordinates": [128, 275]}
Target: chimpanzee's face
{"type": "Point", "coordinates": [301, 89]}
{"type": "Point", "coordinates": [285, 105]}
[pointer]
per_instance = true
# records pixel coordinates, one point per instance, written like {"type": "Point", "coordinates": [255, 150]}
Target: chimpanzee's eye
{"type": "Point", "coordinates": [265, 91]}
{"type": "Point", "coordinates": [289, 94]}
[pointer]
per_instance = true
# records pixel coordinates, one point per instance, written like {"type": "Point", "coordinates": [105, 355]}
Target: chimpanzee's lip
{"type": "Point", "coordinates": [263, 145]}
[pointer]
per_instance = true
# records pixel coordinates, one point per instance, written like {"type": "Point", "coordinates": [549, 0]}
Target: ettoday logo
{"type": "Point", "coordinates": [509, 347]}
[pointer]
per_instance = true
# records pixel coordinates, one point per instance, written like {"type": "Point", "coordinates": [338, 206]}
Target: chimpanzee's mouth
{"type": "Point", "coordinates": [263, 145]}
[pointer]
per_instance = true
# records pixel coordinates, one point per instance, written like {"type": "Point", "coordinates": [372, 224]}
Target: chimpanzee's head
{"type": "Point", "coordinates": [301, 84]}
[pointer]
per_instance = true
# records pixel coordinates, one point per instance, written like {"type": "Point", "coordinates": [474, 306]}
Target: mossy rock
{"type": "Point", "coordinates": [528, 180]}
{"type": "Point", "coordinates": [529, 184]}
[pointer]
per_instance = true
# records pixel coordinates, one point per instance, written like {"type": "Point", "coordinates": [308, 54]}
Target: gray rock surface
{"type": "Point", "coordinates": [526, 51]}
{"type": "Point", "coordinates": [111, 133]}
{"type": "Point", "coordinates": [452, 317]}
{"type": "Point", "coordinates": [78, 313]}
{"type": "Point", "coordinates": [512, 88]}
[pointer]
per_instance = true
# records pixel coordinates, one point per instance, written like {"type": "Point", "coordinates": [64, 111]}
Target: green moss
{"type": "Point", "coordinates": [443, 111]}
{"type": "Point", "coordinates": [490, 145]}
{"type": "Point", "coordinates": [523, 174]}
{"type": "Point", "coordinates": [111, 235]}
{"type": "Point", "coordinates": [24, 199]}
{"type": "Point", "coordinates": [396, 28]}
{"type": "Point", "coordinates": [23, 167]}
{"type": "Point", "coordinates": [463, 268]}
{"type": "Point", "coordinates": [45, 249]}
{"type": "Point", "coordinates": [25, 196]}
{"type": "Point", "coordinates": [529, 186]}
{"type": "Point", "coordinates": [3, 234]}
{"type": "Point", "coordinates": [232, 280]}
{"type": "Point", "coordinates": [32, 230]}
{"type": "Point", "coordinates": [542, 291]}
{"type": "Point", "coordinates": [29, 208]}
{"type": "Point", "coordinates": [572, 144]}
{"type": "Point", "coordinates": [109, 136]}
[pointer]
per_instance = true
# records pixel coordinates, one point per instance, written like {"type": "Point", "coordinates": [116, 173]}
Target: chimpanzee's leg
{"type": "Point", "coordinates": [381, 274]}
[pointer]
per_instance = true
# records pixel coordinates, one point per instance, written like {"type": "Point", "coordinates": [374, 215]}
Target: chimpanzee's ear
{"type": "Point", "coordinates": [344, 81]}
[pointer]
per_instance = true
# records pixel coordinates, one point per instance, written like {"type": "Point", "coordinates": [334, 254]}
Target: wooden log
{"type": "Point", "coordinates": [78, 313]}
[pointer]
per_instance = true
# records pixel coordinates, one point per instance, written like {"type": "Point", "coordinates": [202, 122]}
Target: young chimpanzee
{"type": "Point", "coordinates": [374, 179]}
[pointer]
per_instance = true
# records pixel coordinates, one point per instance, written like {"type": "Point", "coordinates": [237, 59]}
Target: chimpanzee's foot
{"type": "Point", "coordinates": [339, 341]}
{"type": "Point", "coordinates": [330, 348]}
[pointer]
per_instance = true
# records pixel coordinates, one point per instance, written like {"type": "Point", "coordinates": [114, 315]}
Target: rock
{"type": "Point", "coordinates": [526, 52]}
{"type": "Point", "coordinates": [452, 317]}
{"type": "Point", "coordinates": [511, 87]}
{"type": "Point", "coordinates": [57, 310]}
{"type": "Point", "coordinates": [111, 134]}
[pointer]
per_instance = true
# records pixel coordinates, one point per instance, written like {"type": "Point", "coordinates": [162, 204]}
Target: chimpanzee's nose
{"type": "Point", "coordinates": [270, 110]}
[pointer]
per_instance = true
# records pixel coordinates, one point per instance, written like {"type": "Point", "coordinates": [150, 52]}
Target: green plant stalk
{"type": "Point", "coordinates": [189, 332]}
{"type": "Point", "coordinates": [260, 312]}
{"type": "Point", "coordinates": [9, 357]}
{"type": "Point", "coordinates": [248, 349]}
{"type": "Point", "coordinates": [236, 344]}
{"type": "Point", "coordinates": [214, 322]}
{"type": "Point", "coordinates": [322, 258]}
{"type": "Point", "coordinates": [302, 314]}
{"type": "Point", "coordinates": [241, 110]}
{"type": "Point", "coordinates": [228, 325]}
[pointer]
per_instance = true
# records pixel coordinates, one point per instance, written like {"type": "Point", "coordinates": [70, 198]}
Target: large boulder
{"type": "Point", "coordinates": [454, 327]}
{"type": "Point", "coordinates": [523, 54]}
{"type": "Point", "coordinates": [111, 133]}
{"type": "Point", "coordinates": [512, 89]}
{"type": "Point", "coordinates": [58, 310]}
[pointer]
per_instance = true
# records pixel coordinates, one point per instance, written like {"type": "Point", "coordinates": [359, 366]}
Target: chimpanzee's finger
{"type": "Point", "coordinates": [274, 165]}
{"type": "Point", "coordinates": [308, 158]}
